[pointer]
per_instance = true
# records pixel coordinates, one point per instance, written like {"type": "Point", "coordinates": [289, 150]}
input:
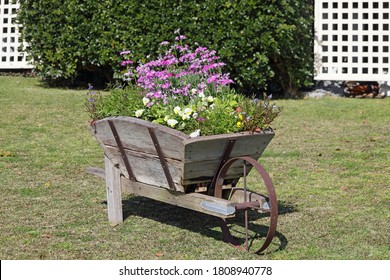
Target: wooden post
{"type": "Point", "coordinates": [114, 194]}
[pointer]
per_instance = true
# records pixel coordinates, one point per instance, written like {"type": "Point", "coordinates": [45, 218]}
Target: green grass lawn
{"type": "Point", "coordinates": [329, 161]}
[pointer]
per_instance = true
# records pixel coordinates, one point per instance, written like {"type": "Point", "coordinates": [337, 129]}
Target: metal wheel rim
{"type": "Point", "coordinates": [272, 202]}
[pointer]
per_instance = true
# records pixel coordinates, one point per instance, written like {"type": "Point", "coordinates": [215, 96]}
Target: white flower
{"type": "Point", "coordinates": [139, 113]}
{"type": "Point", "coordinates": [210, 98]}
{"type": "Point", "coordinates": [195, 115]}
{"type": "Point", "coordinates": [177, 110]}
{"type": "Point", "coordinates": [201, 94]}
{"type": "Point", "coordinates": [193, 90]}
{"type": "Point", "coordinates": [145, 100]}
{"type": "Point", "coordinates": [187, 111]}
{"type": "Point", "coordinates": [185, 117]}
{"type": "Point", "coordinates": [196, 133]}
{"type": "Point", "coordinates": [172, 122]}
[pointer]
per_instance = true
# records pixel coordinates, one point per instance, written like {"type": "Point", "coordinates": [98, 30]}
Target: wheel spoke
{"type": "Point", "coordinates": [246, 210]}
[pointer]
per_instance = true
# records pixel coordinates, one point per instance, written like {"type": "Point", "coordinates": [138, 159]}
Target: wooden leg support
{"type": "Point", "coordinates": [114, 194]}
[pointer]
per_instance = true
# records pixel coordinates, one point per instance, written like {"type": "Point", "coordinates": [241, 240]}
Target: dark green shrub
{"type": "Point", "coordinates": [260, 41]}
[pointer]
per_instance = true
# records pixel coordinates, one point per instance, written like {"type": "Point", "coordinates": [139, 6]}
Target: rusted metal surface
{"type": "Point", "coordinates": [122, 150]}
{"type": "Point", "coordinates": [248, 204]}
{"type": "Point", "coordinates": [162, 159]}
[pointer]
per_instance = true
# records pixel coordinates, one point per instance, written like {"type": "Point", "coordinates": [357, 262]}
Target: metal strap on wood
{"type": "Point", "coordinates": [122, 150]}
{"type": "Point", "coordinates": [225, 157]}
{"type": "Point", "coordinates": [162, 159]}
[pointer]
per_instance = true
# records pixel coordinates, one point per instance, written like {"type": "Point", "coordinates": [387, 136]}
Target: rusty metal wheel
{"type": "Point", "coordinates": [251, 206]}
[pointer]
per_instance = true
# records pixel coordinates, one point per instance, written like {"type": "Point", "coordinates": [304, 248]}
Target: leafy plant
{"type": "Point", "coordinates": [184, 89]}
{"type": "Point", "coordinates": [255, 114]}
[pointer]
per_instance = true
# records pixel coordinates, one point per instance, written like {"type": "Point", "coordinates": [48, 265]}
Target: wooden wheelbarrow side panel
{"type": "Point", "coordinates": [141, 150]}
{"type": "Point", "coordinates": [135, 136]}
{"type": "Point", "coordinates": [147, 167]}
{"type": "Point", "coordinates": [202, 155]}
{"type": "Point", "coordinates": [189, 160]}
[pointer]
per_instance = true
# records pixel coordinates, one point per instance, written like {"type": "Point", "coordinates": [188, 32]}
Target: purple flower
{"type": "Point", "coordinates": [200, 50]}
{"type": "Point", "coordinates": [182, 49]}
{"type": "Point", "coordinates": [166, 85]}
{"type": "Point", "coordinates": [225, 80]}
{"type": "Point", "coordinates": [178, 72]}
{"type": "Point", "coordinates": [124, 52]}
{"type": "Point", "coordinates": [181, 74]}
{"type": "Point", "coordinates": [213, 78]}
{"type": "Point", "coordinates": [181, 37]}
{"type": "Point", "coordinates": [202, 86]}
{"type": "Point", "coordinates": [157, 94]}
{"type": "Point", "coordinates": [126, 62]}
{"type": "Point", "coordinates": [212, 66]}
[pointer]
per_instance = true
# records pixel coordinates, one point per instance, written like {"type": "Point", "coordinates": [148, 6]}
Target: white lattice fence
{"type": "Point", "coordinates": [352, 40]}
{"type": "Point", "coordinates": [10, 57]}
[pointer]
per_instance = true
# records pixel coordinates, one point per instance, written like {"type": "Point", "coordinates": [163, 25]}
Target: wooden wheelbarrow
{"type": "Point", "coordinates": [206, 174]}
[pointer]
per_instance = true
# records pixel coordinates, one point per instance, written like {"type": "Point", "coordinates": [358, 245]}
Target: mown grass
{"type": "Point", "coordinates": [329, 161]}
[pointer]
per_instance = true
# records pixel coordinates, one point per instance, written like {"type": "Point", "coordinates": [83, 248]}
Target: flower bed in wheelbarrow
{"type": "Point", "coordinates": [178, 133]}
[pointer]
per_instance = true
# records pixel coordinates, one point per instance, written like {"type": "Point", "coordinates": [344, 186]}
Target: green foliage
{"type": "Point", "coordinates": [256, 114]}
{"type": "Point", "coordinates": [202, 116]}
{"type": "Point", "coordinates": [262, 42]}
{"type": "Point", "coordinates": [117, 102]}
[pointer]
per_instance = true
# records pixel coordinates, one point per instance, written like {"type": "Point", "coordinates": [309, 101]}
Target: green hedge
{"type": "Point", "coordinates": [262, 42]}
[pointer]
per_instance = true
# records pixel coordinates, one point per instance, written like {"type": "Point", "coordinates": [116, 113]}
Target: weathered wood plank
{"type": "Point", "coordinates": [191, 201]}
{"type": "Point", "coordinates": [205, 168]}
{"type": "Point", "coordinates": [141, 151]}
{"type": "Point", "coordinates": [202, 155]}
{"type": "Point", "coordinates": [211, 147]}
{"type": "Point", "coordinates": [114, 194]}
{"type": "Point", "coordinates": [147, 167]}
{"type": "Point", "coordinates": [135, 135]}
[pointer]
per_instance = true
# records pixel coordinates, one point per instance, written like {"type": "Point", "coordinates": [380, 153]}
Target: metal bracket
{"type": "Point", "coordinates": [122, 150]}
{"type": "Point", "coordinates": [225, 157]}
{"type": "Point", "coordinates": [162, 159]}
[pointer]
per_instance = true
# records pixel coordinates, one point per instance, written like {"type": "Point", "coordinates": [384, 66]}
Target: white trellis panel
{"type": "Point", "coordinates": [352, 40]}
{"type": "Point", "coordinates": [10, 57]}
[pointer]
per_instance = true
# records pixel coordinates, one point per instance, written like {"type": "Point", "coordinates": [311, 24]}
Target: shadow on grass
{"type": "Point", "coordinates": [202, 223]}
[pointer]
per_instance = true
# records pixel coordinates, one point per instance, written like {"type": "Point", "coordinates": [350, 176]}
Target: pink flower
{"type": "Point", "coordinates": [157, 94]}
{"type": "Point", "coordinates": [181, 37]}
{"type": "Point", "coordinates": [126, 62]}
{"type": "Point", "coordinates": [166, 85]}
{"type": "Point", "coordinates": [213, 78]}
{"type": "Point", "coordinates": [182, 49]}
{"type": "Point", "coordinates": [124, 52]}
